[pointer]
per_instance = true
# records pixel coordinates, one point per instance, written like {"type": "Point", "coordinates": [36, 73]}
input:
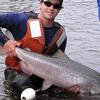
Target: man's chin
{"type": "Point", "coordinates": [50, 18]}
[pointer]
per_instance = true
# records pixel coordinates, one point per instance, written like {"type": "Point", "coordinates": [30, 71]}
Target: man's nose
{"type": "Point", "coordinates": [51, 7]}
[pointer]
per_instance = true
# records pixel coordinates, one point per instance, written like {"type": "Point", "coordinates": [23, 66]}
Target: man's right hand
{"type": "Point", "coordinates": [10, 46]}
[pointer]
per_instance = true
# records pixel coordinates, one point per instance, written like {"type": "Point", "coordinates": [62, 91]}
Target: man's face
{"type": "Point", "coordinates": [50, 8]}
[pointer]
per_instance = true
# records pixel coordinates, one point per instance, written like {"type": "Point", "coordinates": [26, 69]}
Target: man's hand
{"type": "Point", "coordinates": [74, 89]}
{"type": "Point", "coordinates": [9, 47]}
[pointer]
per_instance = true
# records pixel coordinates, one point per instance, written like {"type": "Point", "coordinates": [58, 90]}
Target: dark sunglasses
{"type": "Point", "coordinates": [55, 6]}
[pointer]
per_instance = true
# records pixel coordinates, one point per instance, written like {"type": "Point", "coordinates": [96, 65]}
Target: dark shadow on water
{"type": "Point", "coordinates": [53, 93]}
{"type": "Point", "coordinates": [67, 96]}
{"type": "Point", "coordinates": [58, 94]}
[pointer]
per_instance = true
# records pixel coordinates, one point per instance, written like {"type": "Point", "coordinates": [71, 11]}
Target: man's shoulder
{"type": "Point", "coordinates": [58, 25]}
{"type": "Point", "coordinates": [31, 14]}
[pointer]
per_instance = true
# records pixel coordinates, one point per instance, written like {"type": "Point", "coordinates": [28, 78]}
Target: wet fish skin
{"type": "Point", "coordinates": [63, 72]}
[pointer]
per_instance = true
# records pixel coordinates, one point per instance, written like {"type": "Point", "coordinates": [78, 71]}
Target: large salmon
{"type": "Point", "coordinates": [63, 72]}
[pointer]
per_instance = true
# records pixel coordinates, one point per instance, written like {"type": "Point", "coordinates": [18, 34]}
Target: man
{"type": "Point", "coordinates": [37, 32]}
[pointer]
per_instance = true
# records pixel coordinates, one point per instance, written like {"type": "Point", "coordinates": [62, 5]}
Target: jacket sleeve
{"type": "Point", "coordinates": [6, 20]}
{"type": "Point", "coordinates": [11, 20]}
{"type": "Point", "coordinates": [14, 22]}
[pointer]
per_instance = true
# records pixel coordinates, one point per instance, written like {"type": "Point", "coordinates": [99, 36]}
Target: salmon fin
{"type": "Point", "coordinates": [61, 55]}
{"type": "Point", "coordinates": [46, 85]}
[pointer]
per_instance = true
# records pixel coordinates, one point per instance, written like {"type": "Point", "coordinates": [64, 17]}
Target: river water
{"type": "Point", "coordinates": [80, 18]}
